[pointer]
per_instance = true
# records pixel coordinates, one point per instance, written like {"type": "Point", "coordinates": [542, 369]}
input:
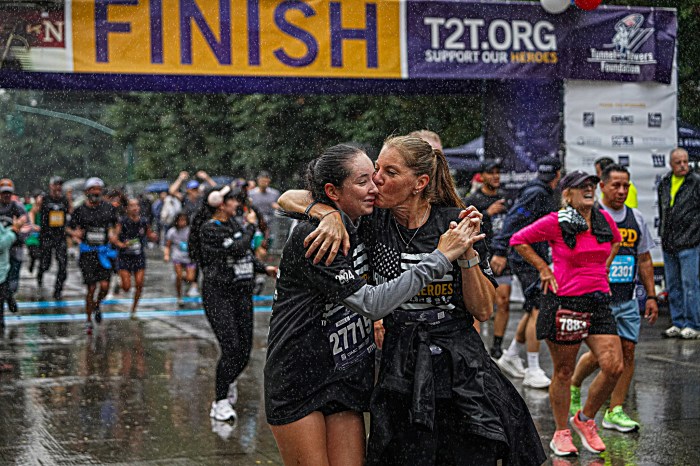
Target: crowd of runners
{"type": "Point", "coordinates": [387, 255]}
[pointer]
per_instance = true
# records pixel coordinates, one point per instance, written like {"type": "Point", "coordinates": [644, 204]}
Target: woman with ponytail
{"type": "Point", "coordinates": [319, 372]}
{"type": "Point", "coordinates": [223, 251]}
{"type": "Point", "coordinates": [439, 398]}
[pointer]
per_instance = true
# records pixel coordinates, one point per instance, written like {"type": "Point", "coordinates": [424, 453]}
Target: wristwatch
{"type": "Point", "coordinates": [468, 264]}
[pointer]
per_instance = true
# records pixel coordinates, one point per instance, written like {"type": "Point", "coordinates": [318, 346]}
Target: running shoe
{"type": "Point", "coordinates": [98, 314]}
{"type": "Point", "coordinates": [512, 366]}
{"type": "Point", "coordinates": [617, 419]}
{"type": "Point", "coordinates": [496, 352]}
{"type": "Point", "coordinates": [588, 431]}
{"type": "Point", "coordinates": [672, 332]}
{"type": "Point", "coordinates": [562, 444]}
{"type": "Point", "coordinates": [193, 292]}
{"type": "Point", "coordinates": [535, 378]}
{"type": "Point", "coordinates": [222, 410]}
{"type": "Point", "coordinates": [686, 334]}
{"type": "Point", "coordinates": [223, 429]}
{"type": "Point", "coordinates": [180, 302]}
{"type": "Point", "coordinates": [575, 405]}
{"type": "Point", "coordinates": [88, 328]}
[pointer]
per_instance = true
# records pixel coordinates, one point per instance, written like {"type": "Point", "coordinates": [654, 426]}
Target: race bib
{"type": "Point", "coordinates": [57, 218]}
{"type": "Point", "coordinates": [572, 325]}
{"type": "Point", "coordinates": [622, 269]}
{"type": "Point", "coordinates": [183, 246]}
{"type": "Point", "coordinates": [134, 246]}
{"type": "Point", "coordinates": [242, 268]}
{"type": "Point", "coordinates": [349, 335]}
{"type": "Point", "coordinates": [95, 236]}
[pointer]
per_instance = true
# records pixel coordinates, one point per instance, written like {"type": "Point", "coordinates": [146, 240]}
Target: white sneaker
{"type": "Point", "coordinates": [180, 302]}
{"type": "Point", "coordinates": [672, 332]}
{"type": "Point", "coordinates": [536, 378]}
{"type": "Point", "coordinates": [689, 334]}
{"type": "Point", "coordinates": [193, 291]}
{"type": "Point", "coordinates": [512, 366]}
{"type": "Point", "coordinates": [222, 429]}
{"type": "Point", "coordinates": [233, 393]}
{"type": "Point", "coordinates": [222, 410]}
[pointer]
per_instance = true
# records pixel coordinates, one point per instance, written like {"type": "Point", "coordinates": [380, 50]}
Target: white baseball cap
{"type": "Point", "coordinates": [94, 182]}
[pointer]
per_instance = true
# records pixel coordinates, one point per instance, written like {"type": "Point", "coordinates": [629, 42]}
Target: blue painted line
{"type": "Point", "coordinates": [108, 302]}
{"type": "Point", "coordinates": [40, 318]}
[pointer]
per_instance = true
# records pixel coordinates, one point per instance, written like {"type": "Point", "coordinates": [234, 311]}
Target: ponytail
{"type": "Point", "coordinates": [442, 185]}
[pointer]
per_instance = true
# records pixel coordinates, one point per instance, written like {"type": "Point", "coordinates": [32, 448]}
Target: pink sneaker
{"type": "Point", "coordinates": [588, 431]}
{"type": "Point", "coordinates": [562, 443]}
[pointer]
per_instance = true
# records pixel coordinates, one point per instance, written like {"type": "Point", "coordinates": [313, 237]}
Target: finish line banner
{"type": "Point", "coordinates": [186, 44]}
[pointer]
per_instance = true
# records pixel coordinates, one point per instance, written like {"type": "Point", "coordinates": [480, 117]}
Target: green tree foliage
{"type": "Point", "coordinates": [36, 147]}
{"type": "Point", "coordinates": [238, 135]}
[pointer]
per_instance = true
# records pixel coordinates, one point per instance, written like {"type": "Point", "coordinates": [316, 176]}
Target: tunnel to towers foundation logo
{"type": "Point", "coordinates": [622, 55]}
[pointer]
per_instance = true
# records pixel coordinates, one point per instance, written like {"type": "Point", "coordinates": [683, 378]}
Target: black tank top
{"type": "Point", "coordinates": [624, 268]}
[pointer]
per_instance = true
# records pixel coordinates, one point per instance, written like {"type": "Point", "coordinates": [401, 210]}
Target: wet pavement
{"type": "Point", "coordinates": [139, 391]}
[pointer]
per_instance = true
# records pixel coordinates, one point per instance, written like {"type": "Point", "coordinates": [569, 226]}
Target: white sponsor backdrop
{"type": "Point", "coordinates": [632, 123]}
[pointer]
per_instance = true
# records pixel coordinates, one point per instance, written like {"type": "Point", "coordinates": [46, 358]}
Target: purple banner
{"type": "Point", "coordinates": [522, 125]}
{"type": "Point", "coordinates": [473, 40]}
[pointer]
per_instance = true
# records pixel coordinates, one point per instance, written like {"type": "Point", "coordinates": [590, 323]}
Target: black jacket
{"type": "Point", "coordinates": [679, 226]}
{"type": "Point", "coordinates": [534, 201]}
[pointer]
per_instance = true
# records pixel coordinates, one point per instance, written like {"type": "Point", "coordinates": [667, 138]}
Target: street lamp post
{"type": "Point", "coordinates": [129, 153]}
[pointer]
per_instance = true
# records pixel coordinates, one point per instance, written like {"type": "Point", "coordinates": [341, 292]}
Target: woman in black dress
{"type": "Point", "coordinates": [320, 365]}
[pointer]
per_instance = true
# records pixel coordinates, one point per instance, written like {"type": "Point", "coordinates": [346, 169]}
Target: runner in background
{"type": "Point", "coordinates": [228, 268]}
{"type": "Point", "coordinates": [632, 258]}
{"type": "Point", "coordinates": [490, 202]}
{"type": "Point", "coordinates": [53, 211]}
{"type": "Point", "coordinates": [92, 226]}
{"type": "Point", "coordinates": [575, 306]}
{"type": "Point", "coordinates": [535, 200]}
{"type": "Point", "coordinates": [130, 236]}
{"type": "Point", "coordinates": [604, 162]}
{"type": "Point", "coordinates": [176, 249]}
{"type": "Point", "coordinates": [8, 236]}
{"type": "Point", "coordinates": [9, 210]}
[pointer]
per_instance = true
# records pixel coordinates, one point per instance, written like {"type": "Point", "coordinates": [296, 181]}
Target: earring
{"type": "Point", "coordinates": [415, 192]}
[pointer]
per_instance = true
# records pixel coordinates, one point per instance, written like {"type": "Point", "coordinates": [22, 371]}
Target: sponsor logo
{"type": "Point", "coordinates": [588, 119]}
{"type": "Point", "coordinates": [623, 160]}
{"type": "Point", "coordinates": [581, 141]}
{"type": "Point", "coordinates": [689, 142]}
{"type": "Point", "coordinates": [622, 141]}
{"type": "Point", "coordinates": [345, 276]}
{"type": "Point", "coordinates": [622, 54]}
{"type": "Point", "coordinates": [499, 41]}
{"type": "Point", "coordinates": [654, 120]}
{"type": "Point", "coordinates": [622, 119]}
{"type": "Point", "coordinates": [659, 160]}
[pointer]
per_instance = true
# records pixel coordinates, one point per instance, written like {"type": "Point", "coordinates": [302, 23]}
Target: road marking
{"type": "Point", "coordinates": [40, 318]}
{"type": "Point", "coordinates": [672, 361]}
{"type": "Point", "coordinates": [107, 302]}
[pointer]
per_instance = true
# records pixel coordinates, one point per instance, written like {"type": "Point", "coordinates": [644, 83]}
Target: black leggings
{"type": "Point", "coordinates": [230, 314]}
{"type": "Point", "coordinates": [47, 250]}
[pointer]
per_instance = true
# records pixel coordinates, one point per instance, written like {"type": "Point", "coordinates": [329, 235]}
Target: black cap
{"type": "Point", "coordinates": [576, 178]}
{"type": "Point", "coordinates": [56, 180]}
{"type": "Point", "coordinates": [488, 165]}
{"type": "Point", "coordinates": [547, 168]}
